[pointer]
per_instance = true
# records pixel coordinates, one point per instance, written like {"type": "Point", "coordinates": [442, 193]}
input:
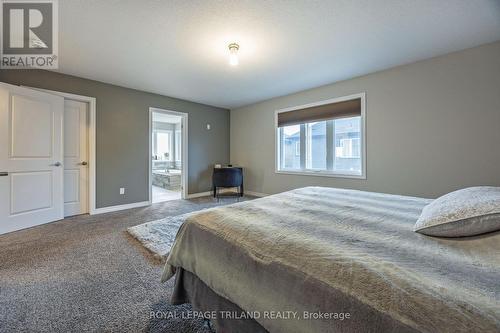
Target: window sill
{"type": "Point", "coordinates": [320, 173]}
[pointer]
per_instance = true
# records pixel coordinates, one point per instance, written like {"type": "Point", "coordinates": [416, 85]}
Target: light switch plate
{"type": "Point", "coordinates": [122, 190]}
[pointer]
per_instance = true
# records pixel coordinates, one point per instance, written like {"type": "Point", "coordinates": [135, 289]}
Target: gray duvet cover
{"type": "Point", "coordinates": [316, 252]}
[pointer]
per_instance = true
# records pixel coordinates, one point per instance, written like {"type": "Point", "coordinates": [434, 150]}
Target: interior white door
{"type": "Point", "coordinates": [31, 172]}
{"type": "Point", "coordinates": [75, 158]}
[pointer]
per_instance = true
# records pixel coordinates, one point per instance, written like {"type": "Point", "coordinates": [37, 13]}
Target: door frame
{"type": "Point", "coordinates": [184, 159]}
{"type": "Point", "coordinates": [91, 137]}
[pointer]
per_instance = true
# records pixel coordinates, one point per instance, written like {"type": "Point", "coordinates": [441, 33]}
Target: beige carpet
{"type": "Point", "coordinates": [86, 273]}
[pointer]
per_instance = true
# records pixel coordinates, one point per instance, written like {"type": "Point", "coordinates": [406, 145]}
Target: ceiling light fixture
{"type": "Point", "coordinates": [233, 54]}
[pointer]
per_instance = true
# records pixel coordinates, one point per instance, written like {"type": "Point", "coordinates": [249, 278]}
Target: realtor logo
{"type": "Point", "coordinates": [29, 34]}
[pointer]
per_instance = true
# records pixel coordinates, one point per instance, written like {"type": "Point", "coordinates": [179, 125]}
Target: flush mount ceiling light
{"type": "Point", "coordinates": [233, 54]}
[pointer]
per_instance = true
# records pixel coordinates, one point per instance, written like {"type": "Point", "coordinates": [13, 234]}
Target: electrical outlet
{"type": "Point", "coordinates": [122, 190]}
{"type": "Point", "coordinates": [208, 127]}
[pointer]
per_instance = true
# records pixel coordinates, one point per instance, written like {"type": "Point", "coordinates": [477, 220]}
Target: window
{"type": "Point", "coordinates": [324, 138]}
{"type": "Point", "coordinates": [297, 148]}
{"type": "Point", "coordinates": [290, 138]}
{"type": "Point", "coordinates": [347, 134]}
{"type": "Point", "coordinates": [349, 148]}
{"type": "Point", "coordinates": [316, 145]}
{"type": "Point", "coordinates": [162, 145]}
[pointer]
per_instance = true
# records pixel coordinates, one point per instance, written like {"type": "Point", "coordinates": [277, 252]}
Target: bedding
{"type": "Point", "coordinates": [323, 250]}
{"type": "Point", "coordinates": [466, 212]}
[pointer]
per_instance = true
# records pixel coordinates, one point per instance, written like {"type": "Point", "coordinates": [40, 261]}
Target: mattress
{"type": "Point", "coordinates": [317, 254]}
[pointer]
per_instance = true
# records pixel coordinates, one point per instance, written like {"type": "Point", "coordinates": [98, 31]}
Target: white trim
{"type": "Point", "coordinates": [91, 137]}
{"type": "Point", "coordinates": [324, 173]}
{"type": "Point", "coordinates": [199, 195]}
{"type": "Point", "coordinates": [320, 173]}
{"type": "Point", "coordinates": [184, 157]}
{"type": "Point", "coordinates": [256, 194]}
{"type": "Point", "coordinates": [150, 157]}
{"type": "Point", "coordinates": [116, 208]}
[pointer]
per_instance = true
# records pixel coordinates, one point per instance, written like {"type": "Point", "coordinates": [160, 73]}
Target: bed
{"type": "Point", "coordinates": [300, 261]}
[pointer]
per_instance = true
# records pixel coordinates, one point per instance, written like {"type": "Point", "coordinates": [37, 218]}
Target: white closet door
{"type": "Point", "coordinates": [75, 158]}
{"type": "Point", "coordinates": [31, 156]}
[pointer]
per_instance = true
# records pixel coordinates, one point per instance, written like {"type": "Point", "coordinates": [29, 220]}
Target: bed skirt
{"type": "Point", "coordinates": [190, 289]}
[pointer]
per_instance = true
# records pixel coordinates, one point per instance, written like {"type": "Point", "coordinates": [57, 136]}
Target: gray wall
{"type": "Point", "coordinates": [122, 134]}
{"type": "Point", "coordinates": [432, 127]}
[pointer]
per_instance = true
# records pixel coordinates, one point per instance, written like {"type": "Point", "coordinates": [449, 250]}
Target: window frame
{"type": "Point", "coordinates": [324, 173]}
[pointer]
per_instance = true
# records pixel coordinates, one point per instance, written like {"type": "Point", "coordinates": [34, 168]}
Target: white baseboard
{"type": "Point", "coordinates": [110, 209]}
{"type": "Point", "coordinates": [256, 194]}
{"type": "Point", "coordinates": [198, 195]}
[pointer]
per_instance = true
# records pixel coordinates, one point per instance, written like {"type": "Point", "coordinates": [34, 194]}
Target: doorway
{"type": "Point", "coordinates": [168, 155]}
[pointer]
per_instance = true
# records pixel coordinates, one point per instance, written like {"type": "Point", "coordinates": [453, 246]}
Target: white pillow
{"type": "Point", "coordinates": [467, 212]}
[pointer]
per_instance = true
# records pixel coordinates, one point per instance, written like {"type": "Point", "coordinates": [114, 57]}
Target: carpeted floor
{"type": "Point", "coordinates": [86, 273]}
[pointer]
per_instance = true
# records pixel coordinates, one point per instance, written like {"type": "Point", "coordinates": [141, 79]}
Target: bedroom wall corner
{"type": "Point", "coordinates": [432, 127]}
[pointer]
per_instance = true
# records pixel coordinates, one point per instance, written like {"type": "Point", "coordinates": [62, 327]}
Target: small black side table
{"type": "Point", "coordinates": [227, 177]}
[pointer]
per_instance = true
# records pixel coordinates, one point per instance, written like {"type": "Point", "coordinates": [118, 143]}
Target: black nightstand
{"type": "Point", "coordinates": [227, 177]}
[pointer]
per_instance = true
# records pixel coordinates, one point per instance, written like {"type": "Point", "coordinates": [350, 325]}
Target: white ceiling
{"type": "Point", "coordinates": [179, 48]}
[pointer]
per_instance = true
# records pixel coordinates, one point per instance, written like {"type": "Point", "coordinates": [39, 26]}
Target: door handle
{"type": "Point", "coordinates": [4, 174]}
{"type": "Point", "coordinates": [83, 163]}
{"type": "Point", "coordinates": [57, 164]}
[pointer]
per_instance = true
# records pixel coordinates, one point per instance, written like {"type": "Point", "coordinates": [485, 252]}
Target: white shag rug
{"type": "Point", "coordinates": [159, 236]}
